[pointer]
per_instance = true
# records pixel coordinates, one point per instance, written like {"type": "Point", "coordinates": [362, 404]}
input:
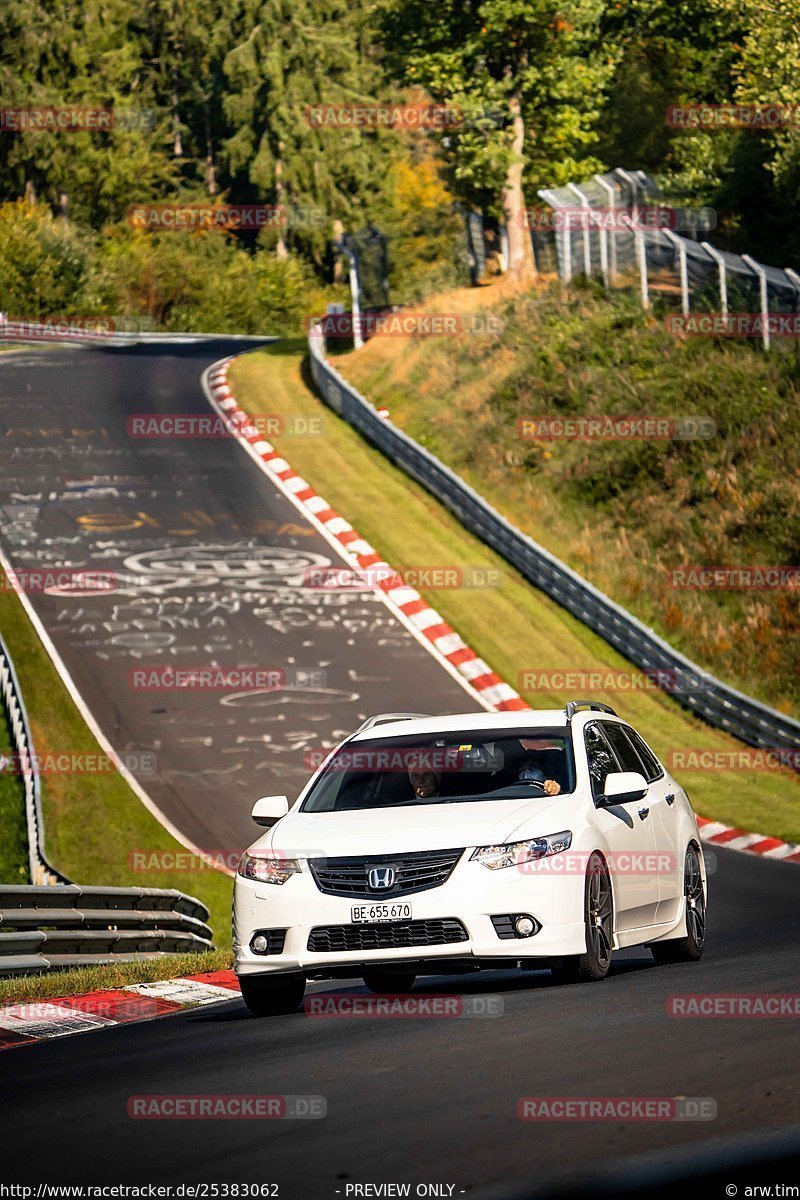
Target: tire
{"type": "Point", "coordinates": [272, 996]}
{"type": "Point", "coordinates": [383, 981]}
{"type": "Point", "coordinates": [689, 948]}
{"type": "Point", "coordinates": [598, 910]}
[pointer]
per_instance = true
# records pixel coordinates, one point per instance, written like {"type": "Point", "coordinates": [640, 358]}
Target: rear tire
{"type": "Point", "coordinates": [384, 982]}
{"type": "Point", "coordinates": [272, 995]}
{"type": "Point", "coordinates": [598, 908]}
{"type": "Point", "coordinates": [689, 948]}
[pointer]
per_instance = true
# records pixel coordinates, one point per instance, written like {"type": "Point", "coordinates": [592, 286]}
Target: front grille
{"type": "Point", "coordinates": [414, 872]}
{"type": "Point", "coordinates": [333, 939]}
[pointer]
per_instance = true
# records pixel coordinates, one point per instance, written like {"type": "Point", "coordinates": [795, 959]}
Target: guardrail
{"type": "Point", "coordinates": [701, 693]}
{"type": "Point", "coordinates": [41, 872]}
{"type": "Point", "coordinates": [42, 928]}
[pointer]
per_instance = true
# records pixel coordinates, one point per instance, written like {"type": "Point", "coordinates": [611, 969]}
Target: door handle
{"type": "Point", "coordinates": [644, 812]}
{"type": "Point", "coordinates": [670, 798]}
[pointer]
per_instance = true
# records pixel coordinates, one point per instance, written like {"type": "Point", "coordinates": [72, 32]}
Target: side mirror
{"type": "Point", "coordinates": [622, 787]}
{"type": "Point", "coordinates": [269, 809]}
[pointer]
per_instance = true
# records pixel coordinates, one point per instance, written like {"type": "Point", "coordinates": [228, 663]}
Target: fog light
{"type": "Point", "coordinates": [259, 944]}
{"type": "Point", "coordinates": [525, 926]}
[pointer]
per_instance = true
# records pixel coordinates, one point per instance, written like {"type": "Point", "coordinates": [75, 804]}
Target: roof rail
{"type": "Point", "coordinates": [574, 705]}
{"type": "Point", "coordinates": [382, 718]}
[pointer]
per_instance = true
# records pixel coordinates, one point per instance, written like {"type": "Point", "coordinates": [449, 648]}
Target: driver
{"type": "Point", "coordinates": [530, 773]}
{"type": "Point", "coordinates": [425, 782]}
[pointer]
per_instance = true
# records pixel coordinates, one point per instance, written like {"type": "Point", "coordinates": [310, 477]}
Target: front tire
{"type": "Point", "coordinates": [384, 982]}
{"type": "Point", "coordinates": [272, 995]}
{"type": "Point", "coordinates": [598, 909]}
{"type": "Point", "coordinates": [689, 948]}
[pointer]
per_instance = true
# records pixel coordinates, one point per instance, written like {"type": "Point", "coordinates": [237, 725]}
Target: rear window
{"type": "Point", "coordinates": [628, 757]}
{"type": "Point", "coordinates": [653, 768]}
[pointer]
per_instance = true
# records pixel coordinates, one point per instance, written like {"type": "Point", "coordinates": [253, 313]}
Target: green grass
{"type": "Point", "coordinates": [93, 822]}
{"type": "Point", "coordinates": [13, 832]}
{"type": "Point", "coordinates": [513, 626]}
{"type": "Point", "coordinates": [75, 982]}
{"type": "Point", "coordinates": [624, 513]}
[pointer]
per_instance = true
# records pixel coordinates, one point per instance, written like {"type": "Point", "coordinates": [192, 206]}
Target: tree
{"type": "Point", "coordinates": [528, 77]}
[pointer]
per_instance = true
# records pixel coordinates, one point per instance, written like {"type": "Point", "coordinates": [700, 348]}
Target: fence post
{"type": "Point", "coordinates": [587, 245]}
{"type": "Point", "coordinates": [565, 256]}
{"type": "Point", "coordinates": [761, 275]}
{"type": "Point", "coordinates": [684, 274]}
{"type": "Point", "coordinates": [714, 254]}
{"type": "Point", "coordinates": [638, 236]}
{"type": "Point", "coordinates": [608, 262]}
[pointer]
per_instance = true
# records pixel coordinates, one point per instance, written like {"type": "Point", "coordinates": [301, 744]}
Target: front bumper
{"type": "Point", "coordinates": [472, 895]}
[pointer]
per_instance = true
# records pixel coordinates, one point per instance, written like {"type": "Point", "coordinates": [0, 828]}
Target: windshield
{"type": "Point", "coordinates": [445, 769]}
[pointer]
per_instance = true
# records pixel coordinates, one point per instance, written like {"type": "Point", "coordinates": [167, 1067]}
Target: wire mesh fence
{"type": "Point", "coordinates": [615, 227]}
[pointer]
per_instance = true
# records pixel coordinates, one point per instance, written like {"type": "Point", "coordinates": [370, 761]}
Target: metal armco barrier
{"type": "Point", "coordinates": [43, 928]}
{"type": "Point", "coordinates": [11, 696]}
{"type": "Point", "coordinates": [707, 697]}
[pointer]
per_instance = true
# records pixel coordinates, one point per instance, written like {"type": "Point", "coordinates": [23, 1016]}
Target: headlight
{"type": "Point", "coordinates": [268, 868]}
{"type": "Point", "coordinates": [514, 853]}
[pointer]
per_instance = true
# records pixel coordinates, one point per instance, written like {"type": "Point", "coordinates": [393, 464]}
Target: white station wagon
{"type": "Point", "coordinates": [435, 845]}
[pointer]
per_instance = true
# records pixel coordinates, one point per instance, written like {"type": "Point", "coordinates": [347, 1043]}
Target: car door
{"type": "Point", "coordinates": [664, 813]}
{"type": "Point", "coordinates": [629, 833]}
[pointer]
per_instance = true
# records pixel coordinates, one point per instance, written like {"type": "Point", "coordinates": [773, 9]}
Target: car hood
{"type": "Point", "coordinates": [418, 827]}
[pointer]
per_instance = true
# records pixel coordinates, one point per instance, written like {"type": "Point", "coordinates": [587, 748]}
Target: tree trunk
{"type": "Point", "coordinates": [280, 246]}
{"type": "Point", "coordinates": [521, 264]}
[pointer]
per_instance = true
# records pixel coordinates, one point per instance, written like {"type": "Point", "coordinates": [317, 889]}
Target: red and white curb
{"type": "Point", "coordinates": [410, 606]}
{"type": "Point", "coordinates": [38, 1020]}
{"type": "Point", "coordinates": [415, 612]}
{"type": "Point", "coordinates": [717, 834]}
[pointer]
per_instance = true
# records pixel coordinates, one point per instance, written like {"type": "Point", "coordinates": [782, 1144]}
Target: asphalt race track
{"type": "Point", "coordinates": [209, 565]}
{"type": "Point", "coordinates": [431, 1100]}
{"type": "Point", "coordinates": [409, 1101]}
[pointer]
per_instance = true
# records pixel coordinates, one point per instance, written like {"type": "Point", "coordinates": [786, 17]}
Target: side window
{"type": "Point", "coordinates": [623, 749]}
{"type": "Point", "coordinates": [653, 768]}
{"type": "Point", "coordinates": [600, 758]}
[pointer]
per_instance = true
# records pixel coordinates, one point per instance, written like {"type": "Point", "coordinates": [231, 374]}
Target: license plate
{"type": "Point", "coordinates": [361, 913]}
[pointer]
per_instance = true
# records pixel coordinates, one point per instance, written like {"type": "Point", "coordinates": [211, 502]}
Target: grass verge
{"type": "Point", "coordinates": [513, 626]}
{"type": "Point", "coordinates": [94, 821]}
{"type": "Point", "coordinates": [77, 981]}
{"type": "Point", "coordinates": [13, 829]}
{"type": "Point", "coordinates": [630, 514]}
